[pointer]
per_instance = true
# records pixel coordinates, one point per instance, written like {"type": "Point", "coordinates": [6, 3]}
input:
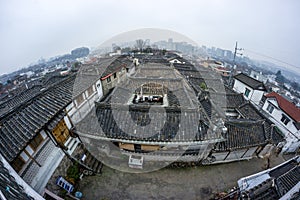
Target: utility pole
{"type": "Point", "coordinates": [236, 49]}
{"type": "Point", "coordinates": [236, 52]}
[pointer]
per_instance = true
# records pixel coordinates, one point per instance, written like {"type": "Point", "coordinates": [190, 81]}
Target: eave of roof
{"type": "Point", "coordinates": [251, 82]}
{"type": "Point", "coordinates": [289, 108]}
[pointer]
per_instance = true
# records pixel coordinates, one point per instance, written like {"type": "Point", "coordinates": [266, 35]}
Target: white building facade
{"type": "Point", "coordinates": [252, 89]}
{"type": "Point", "coordinates": [286, 116]}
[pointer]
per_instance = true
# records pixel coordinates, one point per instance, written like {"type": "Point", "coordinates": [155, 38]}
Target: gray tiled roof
{"type": "Point", "coordinates": [24, 96]}
{"type": "Point", "coordinates": [118, 62]}
{"type": "Point", "coordinates": [88, 74]}
{"type": "Point", "coordinates": [9, 186]}
{"type": "Point", "coordinates": [136, 124]}
{"type": "Point", "coordinates": [36, 88]}
{"type": "Point", "coordinates": [288, 180]}
{"type": "Point", "coordinates": [248, 111]}
{"type": "Point", "coordinates": [266, 190]}
{"type": "Point", "coordinates": [19, 127]}
{"type": "Point", "coordinates": [251, 82]}
{"type": "Point", "coordinates": [242, 134]}
{"type": "Point", "coordinates": [282, 179]}
{"type": "Point", "coordinates": [181, 120]}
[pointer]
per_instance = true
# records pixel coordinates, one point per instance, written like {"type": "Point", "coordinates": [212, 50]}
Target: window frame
{"type": "Point", "coordinates": [270, 108]}
{"type": "Point", "coordinates": [285, 119]}
{"type": "Point", "coordinates": [79, 99]}
{"type": "Point", "coordinates": [247, 92]}
{"type": "Point", "coordinates": [18, 163]}
{"type": "Point", "coordinates": [108, 79]}
{"type": "Point", "coordinates": [36, 142]}
{"type": "Point", "coordinates": [90, 90]}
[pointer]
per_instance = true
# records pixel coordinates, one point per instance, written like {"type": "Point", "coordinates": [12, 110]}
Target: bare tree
{"type": "Point", "coordinates": [140, 44]}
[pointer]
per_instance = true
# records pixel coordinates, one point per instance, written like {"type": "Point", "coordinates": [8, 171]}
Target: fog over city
{"type": "Point", "coordinates": [34, 29]}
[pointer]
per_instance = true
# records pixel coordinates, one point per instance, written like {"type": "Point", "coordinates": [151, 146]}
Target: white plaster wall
{"type": "Point", "coordinates": [220, 156]}
{"type": "Point", "coordinates": [68, 123]}
{"type": "Point", "coordinates": [81, 111]}
{"type": "Point", "coordinates": [20, 181]}
{"type": "Point", "coordinates": [236, 154]}
{"type": "Point", "coordinates": [29, 150]}
{"type": "Point", "coordinates": [99, 88]}
{"type": "Point", "coordinates": [240, 87]}
{"type": "Point", "coordinates": [256, 96]}
{"type": "Point", "coordinates": [250, 152]}
{"type": "Point", "coordinates": [43, 134]}
{"type": "Point", "coordinates": [277, 115]}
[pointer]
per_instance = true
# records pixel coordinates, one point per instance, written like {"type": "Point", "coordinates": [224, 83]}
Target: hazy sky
{"type": "Point", "coordinates": [31, 29]}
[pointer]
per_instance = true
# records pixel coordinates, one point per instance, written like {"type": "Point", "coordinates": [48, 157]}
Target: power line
{"type": "Point", "coordinates": [270, 57]}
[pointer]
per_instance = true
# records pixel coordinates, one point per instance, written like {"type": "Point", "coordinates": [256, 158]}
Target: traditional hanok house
{"type": "Point", "coordinates": [244, 138]}
{"type": "Point", "coordinates": [12, 186]}
{"type": "Point", "coordinates": [174, 125]}
{"type": "Point", "coordinates": [94, 80]}
{"type": "Point", "coordinates": [34, 132]}
{"type": "Point", "coordinates": [116, 72]}
{"type": "Point", "coordinates": [272, 132]}
{"type": "Point", "coordinates": [248, 133]}
{"type": "Point", "coordinates": [279, 182]}
{"type": "Point", "coordinates": [252, 89]}
{"type": "Point", "coordinates": [286, 116]}
{"type": "Point", "coordinates": [121, 118]}
{"type": "Point", "coordinates": [242, 118]}
{"type": "Point", "coordinates": [231, 100]}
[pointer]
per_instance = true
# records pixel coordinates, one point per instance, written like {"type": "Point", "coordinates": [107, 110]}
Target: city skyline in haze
{"type": "Point", "coordinates": [32, 29]}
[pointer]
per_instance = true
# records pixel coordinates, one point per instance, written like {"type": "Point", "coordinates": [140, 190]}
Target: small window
{"type": "Point", "coordinates": [108, 79]}
{"type": "Point", "coordinates": [35, 143]}
{"type": "Point", "coordinates": [270, 108]}
{"type": "Point", "coordinates": [115, 75]}
{"type": "Point", "coordinates": [80, 99]}
{"type": "Point", "coordinates": [18, 164]}
{"type": "Point", "coordinates": [90, 90]}
{"type": "Point", "coordinates": [285, 119]}
{"type": "Point", "coordinates": [247, 92]}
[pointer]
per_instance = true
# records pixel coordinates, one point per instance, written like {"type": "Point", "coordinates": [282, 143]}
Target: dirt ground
{"type": "Point", "coordinates": [186, 183]}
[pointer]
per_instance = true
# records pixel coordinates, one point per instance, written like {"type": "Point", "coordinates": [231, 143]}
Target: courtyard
{"type": "Point", "coordinates": [184, 183]}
